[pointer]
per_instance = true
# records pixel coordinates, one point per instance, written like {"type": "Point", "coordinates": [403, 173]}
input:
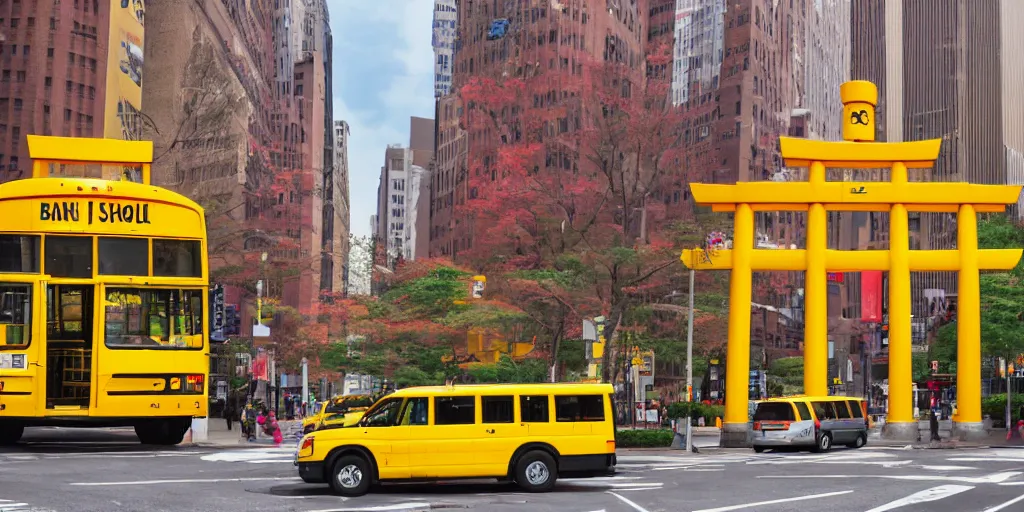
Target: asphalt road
{"type": "Point", "coordinates": [68, 470]}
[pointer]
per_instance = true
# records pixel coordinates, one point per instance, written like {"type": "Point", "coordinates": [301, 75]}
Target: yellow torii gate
{"type": "Point", "coordinates": [818, 196]}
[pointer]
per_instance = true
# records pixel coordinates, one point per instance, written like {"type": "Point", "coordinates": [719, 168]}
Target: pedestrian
{"type": "Point", "coordinates": [228, 413]}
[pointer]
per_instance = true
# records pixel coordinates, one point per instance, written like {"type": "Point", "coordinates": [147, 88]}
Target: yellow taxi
{"type": "Point", "coordinates": [530, 434]}
{"type": "Point", "coordinates": [338, 411]}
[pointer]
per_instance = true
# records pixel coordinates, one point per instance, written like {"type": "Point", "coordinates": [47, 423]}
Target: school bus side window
{"type": "Point", "coordinates": [19, 254]}
{"type": "Point", "coordinates": [534, 409]}
{"type": "Point", "coordinates": [68, 256]}
{"type": "Point", "coordinates": [15, 315]}
{"type": "Point", "coordinates": [454, 410]}
{"type": "Point", "coordinates": [123, 256]}
{"type": "Point", "coordinates": [579, 408]}
{"type": "Point", "coordinates": [498, 409]}
{"type": "Point", "coordinates": [153, 318]}
{"type": "Point", "coordinates": [177, 258]}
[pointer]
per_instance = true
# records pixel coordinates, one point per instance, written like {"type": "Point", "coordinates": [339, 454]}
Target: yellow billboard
{"type": "Point", "coordinates": [122, 119]}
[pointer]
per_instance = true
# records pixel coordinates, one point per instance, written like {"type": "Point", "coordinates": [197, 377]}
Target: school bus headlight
{"type": "Point", "coordinates": [194, 383]}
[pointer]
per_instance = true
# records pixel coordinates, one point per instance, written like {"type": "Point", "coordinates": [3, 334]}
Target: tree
{"type": "Point", "coordinates": [578, 175]}
{"type": "Point", "coordinates": [1002, 303]}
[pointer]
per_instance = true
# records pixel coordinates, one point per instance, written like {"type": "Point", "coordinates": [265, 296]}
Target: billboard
{"type": "Point", "coordinates": [871, 296]}
{"type": "Point", "coordinates": [123, 102]}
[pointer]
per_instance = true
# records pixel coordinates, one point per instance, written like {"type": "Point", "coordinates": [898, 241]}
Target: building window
{"type": "Point", "coordinates": [17, 103]}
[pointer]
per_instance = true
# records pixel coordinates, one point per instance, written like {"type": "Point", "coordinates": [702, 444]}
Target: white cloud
{"type": "Point", "coordinates": [404, 31]}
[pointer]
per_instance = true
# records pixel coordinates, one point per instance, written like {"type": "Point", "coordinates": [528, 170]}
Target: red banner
{"type": "Point", "coordinates": [871, 296]}
{"type": "Point", "coordinates": [259, 366]}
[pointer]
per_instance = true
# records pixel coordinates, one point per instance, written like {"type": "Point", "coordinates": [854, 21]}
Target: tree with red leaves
{"type": "Point", "coordinates": [580, 176]}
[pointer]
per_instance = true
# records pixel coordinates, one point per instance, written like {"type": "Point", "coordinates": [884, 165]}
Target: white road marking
{"type": "Point", "coordinates": [946, 468]}
{"type": "Point", "coordinates": [1004, 505]}
{"type": "Point", "coordinates": [253, 455]}
{"type": "Point", "coordinates": [994, 478]}
{"type": "Point", "coordinates": [182, 481]}
{"type": "Point", "coordinates": [381, 508]}
{"type": "Point", "coordinates": [773, 502]}
{"type": "Point", "coordinates": [627, 501]}
{"type": "Point", "coordinates": [925, 496]}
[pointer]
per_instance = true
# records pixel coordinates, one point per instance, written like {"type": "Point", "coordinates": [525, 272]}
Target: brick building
{"type": "Point", "coordinates": [53, 74]}
{"type": "Point", "coordinates": [226, 123]}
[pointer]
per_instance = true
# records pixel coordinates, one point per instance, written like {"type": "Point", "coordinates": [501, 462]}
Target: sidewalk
{"type": "Point", "coordinates": [218, 434]}
{"type": "Point", "coordinates": [996, 439]}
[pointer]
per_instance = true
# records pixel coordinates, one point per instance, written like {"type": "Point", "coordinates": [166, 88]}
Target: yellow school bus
{"type": "Point", "coordinates": [530, 434]}
{"type": "Point", "coordinates": [103, 294]}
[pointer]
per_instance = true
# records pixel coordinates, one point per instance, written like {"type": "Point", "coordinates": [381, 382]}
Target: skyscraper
{"type": "Point", "coordinates": [443, 41]}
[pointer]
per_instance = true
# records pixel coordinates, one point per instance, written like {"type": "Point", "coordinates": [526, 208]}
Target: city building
{"type": "Point", "coordinates": [55, 78]}
{"type": "Point", "coordinates": [249, 139]}
{"type": "Point", "coordinates": [443, 41]}
{"type": "Point", "coordinates": [403, 195]}
{"type": "Point", "coordinates": [310, 98]}
{"type": "Point", "coordinates": [336, 243]}
{"type": "Point", "coordinates": [521, 40]}
{"type": "Point", "coordinates": [335, 224]}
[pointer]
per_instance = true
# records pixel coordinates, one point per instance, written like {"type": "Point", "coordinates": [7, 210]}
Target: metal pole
{"type": "Point", "coordinates": [305, 385]}
{"type": "Point", "coordinates": [689, 367]}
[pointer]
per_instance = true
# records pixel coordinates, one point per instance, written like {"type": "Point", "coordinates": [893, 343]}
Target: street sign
{"type": "Point", "coordinates": [217, 305]}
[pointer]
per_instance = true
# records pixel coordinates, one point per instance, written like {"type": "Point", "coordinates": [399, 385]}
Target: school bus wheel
{"type": "Point", "coordinates": [351, 476]}
{"type": "Point", "coordinates": [10, 433]}
{"type": "Point", "coordinates": [536, 471]}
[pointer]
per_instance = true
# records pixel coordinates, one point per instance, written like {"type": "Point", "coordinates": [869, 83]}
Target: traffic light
{"type": "Point", "coordinates": [232, 320]}
{"type": "Point", "coordinates": [217, 333]}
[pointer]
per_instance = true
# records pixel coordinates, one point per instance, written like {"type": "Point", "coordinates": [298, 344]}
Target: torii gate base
{"type": "Point", "coordinates": [816, 197]}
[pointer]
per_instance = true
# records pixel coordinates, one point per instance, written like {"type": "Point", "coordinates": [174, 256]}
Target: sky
{"type": "Point", "coordinates": [383, 74]}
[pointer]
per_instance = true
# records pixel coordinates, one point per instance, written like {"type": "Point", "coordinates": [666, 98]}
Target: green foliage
{"type": "Point", "coordinates": [572, 353]}
{"type": "Point", "coordinates": [507, 370]}
{"type": "Point", "coordinates": [786, 376]}
{"type": "Point", "coordinates": [643, 438]}
{"type": "Point", "coordinates": [432, 296]}
{"type": "Point", "coordinates": [714, 303]}
{"type": "Point", "coordinates": [695, 410]}
{"type": "Point", "coordinates": [486, 316]}
{"type": "Point", "coordinates": [920, 367]}
{"type": "Point", "coordinates": [994, 406]}
{"type": "Point", "coordinates": [999, 232]}
{"type": "Point", "coordinates": [1002, 302]}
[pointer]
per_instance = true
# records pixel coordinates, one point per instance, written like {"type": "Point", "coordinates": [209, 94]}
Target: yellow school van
{"type": "Point", "coordinates": [527, 433]}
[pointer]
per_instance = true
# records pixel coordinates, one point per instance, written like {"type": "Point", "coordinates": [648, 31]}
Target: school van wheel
{"type": "Point", "coordinates": [759, 449]}
{"type": "Point", "coordinates": [862, 440]}
{"type": "Point", "coordinates": [351, 476]}
{"type": "Point", "coordinates": [536, 472]}
{"type": "Point", "coordinates": [824, 443]}
{"type": "Point", "coordinates": [10, 433]}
